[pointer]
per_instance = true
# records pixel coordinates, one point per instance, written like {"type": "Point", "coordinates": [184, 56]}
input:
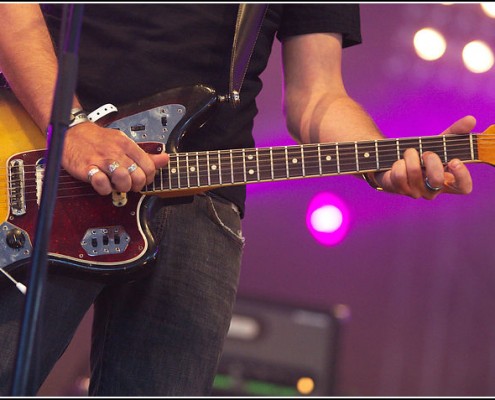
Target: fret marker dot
{"type": "Point", "coordinates": [328, 158]}
{"type": "Point", "coordinates": [251, 172]}
{"type": "Point", "coordinates": [366, 155]}
{"type": "Point", "coordinates": [250, 157]}
{"type": "Point", "coordinates": [173, 170]}
{"type": "Point", "coordinates": [294, 161]}
{"type": "Point", "coordinates": [192, 169]}
{"type": "Point", "coordinates": [213, 167]}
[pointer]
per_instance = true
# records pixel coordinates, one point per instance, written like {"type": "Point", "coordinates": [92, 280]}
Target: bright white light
{"type": "Point", "coordinates": [326, 219]}
{"type": "Point", "coordinates": [477, 56]}
{"type": "Point", "coordinates": [429, 44]}
{"type": "Point", "coordinates": [488, 8]}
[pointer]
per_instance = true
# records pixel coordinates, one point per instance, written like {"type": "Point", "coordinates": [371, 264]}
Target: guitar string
{"type": "Point", "coordinates": [205, 176]}
{"type": "Point", "coordinates": [344, 149]}
{"type": "Point", "coordinates": [308, 154]}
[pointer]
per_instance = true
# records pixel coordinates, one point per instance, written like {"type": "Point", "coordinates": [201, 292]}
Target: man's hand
{"type": "Point", "coordinates": [108, 159]}
{"type": "Point", "coordinates": [410, 178]}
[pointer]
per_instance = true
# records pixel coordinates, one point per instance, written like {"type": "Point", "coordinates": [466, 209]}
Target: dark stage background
{"type": "Point", "coordinates": [416, 277]}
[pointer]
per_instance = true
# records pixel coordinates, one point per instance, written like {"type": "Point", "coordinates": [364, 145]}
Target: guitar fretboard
{"type": "Point", "coordinates": [250, 165]}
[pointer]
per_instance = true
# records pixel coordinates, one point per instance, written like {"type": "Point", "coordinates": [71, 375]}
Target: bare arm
{"type": "Point", "coordinates": [317, 106]}
{"type": "Point", "coordinates": [318, 109]}
{"type": "Point", "coordinates": [27, 59]}
{"type": "Point", "coordinates": [29, 63]}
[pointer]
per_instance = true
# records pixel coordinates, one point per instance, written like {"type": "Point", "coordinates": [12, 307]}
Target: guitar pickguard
{"type": "Point", "coordinates": [88, 229]}
{"type": "Point", "coordinates": [152, 125]}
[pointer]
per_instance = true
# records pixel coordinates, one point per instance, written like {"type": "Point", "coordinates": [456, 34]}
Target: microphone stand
{"type": "Point", "coordinates": [62, 104]}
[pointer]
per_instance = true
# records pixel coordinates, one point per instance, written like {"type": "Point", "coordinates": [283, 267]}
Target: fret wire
{"type": "Point", "coordinates": [398, 149]}
{"type": "Point", "coordinates": [219, 169]}
{"type": "Point", "coordinates": [338, 157]}
{"type": "Point", "coordinates": [444, 149]}
{"type": "Point", "coordinates": [244, 163]}
{"type": "Point", "coordinates": [356, 155]}
{"type": "Point", "coordinates": [471, 146]}
{"type": "Point", "coordinates": [197, 169]}
{"type": "Point", "coordinates": [187, 170]}
{"type": "Point", "coordinates": [208, 167]}
{"type": "Point", "coordinates": [319, 159]}
{"type": "Point", "coordinates": [421, 152]}
{"type": "Point", "coordinates": [231, 167]}
{"type": "Point", "coordinates": [376, 155]}
{"type": "Point", "coordinates": [178, 172]}
{"type": "Point", "coordinates": [271, 163]}
{"type": "Point", "coordinates": [286, 161]}
{"type": "Point", "coordinates": [303, 167]}
{"type": "Point", "coordinates": [257, 164]}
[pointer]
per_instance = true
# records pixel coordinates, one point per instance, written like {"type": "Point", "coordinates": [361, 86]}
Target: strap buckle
{"type": "Point", "coordinates": [233, 98]}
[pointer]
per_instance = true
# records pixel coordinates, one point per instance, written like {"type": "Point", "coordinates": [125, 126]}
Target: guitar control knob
{"type": "Point", "coordinates": [15, 238]}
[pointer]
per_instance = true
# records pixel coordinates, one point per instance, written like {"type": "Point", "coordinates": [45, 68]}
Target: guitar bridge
{"type": "Point", "coordinates": [17, 187]}
{"type": "Point", "coordinates": [105, 240]}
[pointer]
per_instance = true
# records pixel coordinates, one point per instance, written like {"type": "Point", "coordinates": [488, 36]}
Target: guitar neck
{"type": "Point", "coordinates": [250, 165]}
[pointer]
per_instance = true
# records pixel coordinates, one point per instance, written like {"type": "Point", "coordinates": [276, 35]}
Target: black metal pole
{"type": "Point", "coordinates": [23, 382]}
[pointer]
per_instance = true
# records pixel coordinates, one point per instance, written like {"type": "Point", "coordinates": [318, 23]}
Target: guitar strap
{"type": "Point", "coordinates": [249, 19]}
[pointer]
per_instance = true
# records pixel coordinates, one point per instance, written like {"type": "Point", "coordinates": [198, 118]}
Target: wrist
{"type": "Point", "coordinates": [77, 116]}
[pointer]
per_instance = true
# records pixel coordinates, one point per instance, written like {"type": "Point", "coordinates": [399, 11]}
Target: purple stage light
{"type": "Point", "coordinates": [327, 219]}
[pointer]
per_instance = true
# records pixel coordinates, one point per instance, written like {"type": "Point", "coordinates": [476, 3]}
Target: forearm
{"type": "Point", "coordinates": [316, 103]}
{"type": "Point", "coordinates": [27, 59]}
{"type": "Point", "coordinates": [328, 118]}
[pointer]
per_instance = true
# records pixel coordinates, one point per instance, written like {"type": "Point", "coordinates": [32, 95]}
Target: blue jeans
{"type": "Point", "coordinates": [159, 336]}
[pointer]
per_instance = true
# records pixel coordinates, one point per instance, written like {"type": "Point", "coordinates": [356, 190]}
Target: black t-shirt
{"type": "Point", "coordinates": [130, 51]}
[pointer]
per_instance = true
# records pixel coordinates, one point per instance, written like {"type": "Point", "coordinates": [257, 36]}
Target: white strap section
{"type": "Point", "coordinates": [101, 112]}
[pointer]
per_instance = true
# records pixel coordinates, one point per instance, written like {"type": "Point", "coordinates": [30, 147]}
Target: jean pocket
{"type": "Point", "coordinates": [226, 215]}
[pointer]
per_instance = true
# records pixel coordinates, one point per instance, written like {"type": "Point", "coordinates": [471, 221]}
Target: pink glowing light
{"type": "Point", "coordinates": [327, 219]}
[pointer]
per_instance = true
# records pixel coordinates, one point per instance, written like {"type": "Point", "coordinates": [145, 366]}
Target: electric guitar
{"type": "Point", "coordinates": [108, 237]}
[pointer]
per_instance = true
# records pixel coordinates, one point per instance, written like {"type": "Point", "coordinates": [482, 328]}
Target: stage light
{"type": "Point", "coordinates": [327, 219]}
{"type": "Point", "coordinates": [488, 8]}
{"type": "Point", "coordinates": [477, 56]}
{"type": "Point", "coordinates": [429, 44]}
{"type": "Point", "coordinates": [305, 385]}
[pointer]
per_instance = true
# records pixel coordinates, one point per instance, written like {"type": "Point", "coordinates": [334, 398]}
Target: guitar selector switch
{"type": "Point", "coordinates": [105, 240]}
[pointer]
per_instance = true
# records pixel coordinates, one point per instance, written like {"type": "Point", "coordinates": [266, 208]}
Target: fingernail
{"type": "Point", "coordinates": [455, 163]}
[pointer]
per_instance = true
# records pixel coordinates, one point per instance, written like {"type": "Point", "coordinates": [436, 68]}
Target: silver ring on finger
{"type": "Point", "coordinates": [131, 168]}
{"type": "Point", "coordinates": [113, 166]}
{"type": "Point", "coordinates": [431, 188]}
{"type": "Point", "coordinates": [92, 172]}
